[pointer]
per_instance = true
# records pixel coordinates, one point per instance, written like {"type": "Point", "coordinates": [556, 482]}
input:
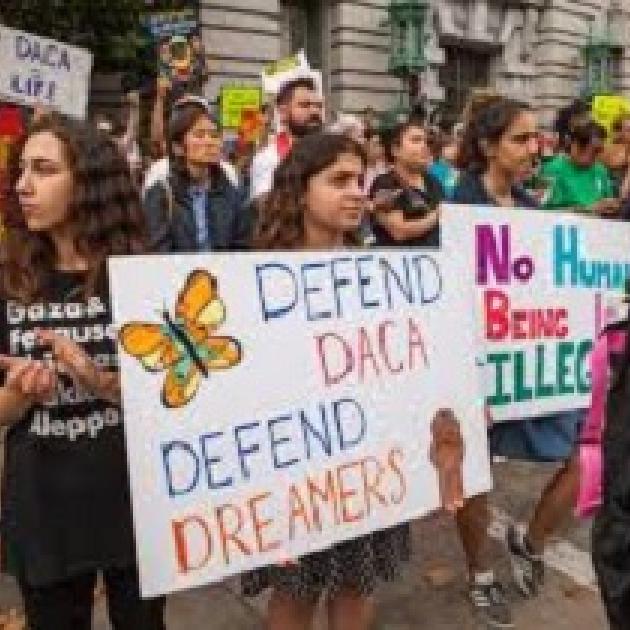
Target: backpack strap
{"type": "Point", "coordinates": [170, 200]}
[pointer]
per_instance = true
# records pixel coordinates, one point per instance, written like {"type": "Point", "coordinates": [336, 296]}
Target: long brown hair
{"type": "Point", "coordinates": [280, 222]}
{"type": "Point", "coordinates": [184, 117]}
{"type": "Point", "coordinates": [105, 214]}
{"type": "Point", "coordinates": [487, 127]}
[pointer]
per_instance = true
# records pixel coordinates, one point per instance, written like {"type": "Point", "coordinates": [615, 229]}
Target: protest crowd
{"type": "Point", "coordinates": [298, 178]}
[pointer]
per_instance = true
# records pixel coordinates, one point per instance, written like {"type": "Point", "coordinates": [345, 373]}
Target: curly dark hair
{"type": "Point", "coordinates": [280, 221]}
{"type": "Point", "coordinates": [487, 127]}
{"type": "Point", "coordinates": [105, 213]}
{"type": "Point", "coordinates": [392, 138]}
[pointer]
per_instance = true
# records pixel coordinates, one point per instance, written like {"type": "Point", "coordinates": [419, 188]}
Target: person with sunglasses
{"type": "Point", "coordinates": [580, 182]}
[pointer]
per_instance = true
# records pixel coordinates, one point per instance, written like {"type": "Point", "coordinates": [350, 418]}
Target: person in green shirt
{"type": "Point", "coordinates": [579, 181]}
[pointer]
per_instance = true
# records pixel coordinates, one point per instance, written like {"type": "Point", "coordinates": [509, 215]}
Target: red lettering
{"type": "Point", "coordinates": [502, 322]}
{"type": "Point", "coordinates": [371, 486]}
{"type": "Point", "coordinates": [416, 342]}
{"type": "Point", "coordinates": [346, 494]}
{"type": "Point", "coordinates": [227, 536]}
{"type": "Point", "coordinates": [562, 326]}
{"type": "Point", "coordinates": [260, 525]}
{"type": "Point", "coordinates": [518, 319]}
{"type": "Point", "coordinates": [496, 305]}
{"type": "Point", "coordinates": [383, 345]}
{"type": "Point", "coordinates": [323, 349]}
{"type": "Point", "coordinates": [366, 353]}
{"type": "Point", "coordinates": [396, 467]}
{"type": "Point", "coordinates": [297, 509]}
{"type": "Point", "coordinates": [327, 495]}
{"type": "Point", "coordinates": [181, 543]}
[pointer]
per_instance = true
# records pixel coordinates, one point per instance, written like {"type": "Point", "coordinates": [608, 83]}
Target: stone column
{"type": "Point", "coordinates": [478, 19]}
{"type": "Point", "coordinates": [240, 36]}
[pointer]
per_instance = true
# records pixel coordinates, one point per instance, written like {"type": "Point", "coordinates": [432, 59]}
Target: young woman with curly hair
{"type": "Point", "coordinates": [317, 202]}
{"type": "Point", "coordinates": [65, 503]}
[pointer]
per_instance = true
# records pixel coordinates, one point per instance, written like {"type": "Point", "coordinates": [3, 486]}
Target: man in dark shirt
{"type": "Point", "coordinates": [412, 218]}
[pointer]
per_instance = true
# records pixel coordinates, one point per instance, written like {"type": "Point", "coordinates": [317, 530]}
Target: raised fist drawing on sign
{"type": "Point", "coordinates": [447, 455]}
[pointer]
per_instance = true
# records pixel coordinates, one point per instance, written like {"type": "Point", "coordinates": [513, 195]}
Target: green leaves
{"type": "Point", "coordinates": [110, 29]}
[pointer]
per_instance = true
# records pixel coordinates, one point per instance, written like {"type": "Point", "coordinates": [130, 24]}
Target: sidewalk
{"type": "Point", "coordinates": [433, 594]}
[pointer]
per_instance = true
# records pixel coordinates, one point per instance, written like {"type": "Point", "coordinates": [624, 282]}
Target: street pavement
{"type": "Point", "coordinates": [433, 593]}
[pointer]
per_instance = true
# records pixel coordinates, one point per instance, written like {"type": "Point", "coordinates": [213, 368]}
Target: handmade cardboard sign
{"type": "Point", "coordinates": [276, 404]}
{"type": "Point", "coordinates": [544, 285]}
{"type": "Point", "coordinates": [41, 71]}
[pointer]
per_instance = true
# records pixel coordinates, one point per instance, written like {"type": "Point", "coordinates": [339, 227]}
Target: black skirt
{"type": "Point", "coordinates": [357, 565]}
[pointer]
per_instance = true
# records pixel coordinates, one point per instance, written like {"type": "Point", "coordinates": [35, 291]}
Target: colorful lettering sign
{"type": "Point", "coordinates": [279, 403]}
{"type": "Point", "coordinates": [180, 52]}
{"type": "Point", "coordinates": [40, 71]}
{"type": "Point", "coordinates": [544, 286]}
{"type": "Point", "coordinates": [234, 100]}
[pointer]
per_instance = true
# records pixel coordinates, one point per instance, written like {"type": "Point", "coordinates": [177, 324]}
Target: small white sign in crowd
{"type": "Point", "coordinates": [41, 71]}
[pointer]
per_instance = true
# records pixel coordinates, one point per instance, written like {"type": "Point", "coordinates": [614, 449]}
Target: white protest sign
{"type": "Point", "coordinates": [36, 70]}
{"type": "Point", "coordinates": [545, 284]}
{"type": "Point", "coordinates": [314, 423]}
{"type": "Point", "coordinates": [279, 73]}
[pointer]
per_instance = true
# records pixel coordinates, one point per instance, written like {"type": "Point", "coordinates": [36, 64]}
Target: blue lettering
{"type": "Point", "coordinates": [64, 60]}
{"type": "Point", "coordinates": [15, 84]}
{"type": "Point", "coordinates": [565, 254]}
{"type": "Point", "coordinates": [572, 269]}
{"type": "Point", "coordinates": [52, 89]}
{"type": "Point", "coordinates": [323, 435]}
{"type": "Point", "coordinates": [337, 281]}
{"type": "Point", "coordinates": [365, 281]}
{"type": "Point", "coordinates": [38, 86]}
{"type": "Point", "coordinates": [186, 450]}
{"type": "Point", "coordinates": [406, 289]}
{"type": "Point", "coordinates": [311, 290]}
{"type": "Point", "coordinates": [275, 442]}
{"type": "Point", "coordinates": [429, 276]}
{"type": "Point", "coordinates": [22, 47]}
{"type": "Point", "coordinates": [49, 55]}
{"type": "Point", "coordinates": [278, 310]}
{"type": "Point", "coordinates": [338, 406]}
{"type": "Point", "coordinates": [243, 452]}
{"type": "Point", "coordinates": [211, 461]}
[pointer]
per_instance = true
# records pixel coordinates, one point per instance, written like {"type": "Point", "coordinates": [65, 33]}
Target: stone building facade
{"type": "Point", "coordinates": [527, 48]}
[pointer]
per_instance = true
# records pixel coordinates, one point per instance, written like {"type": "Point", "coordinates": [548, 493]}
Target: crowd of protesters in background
{"type": "Point", "coordinates": [308, 183]}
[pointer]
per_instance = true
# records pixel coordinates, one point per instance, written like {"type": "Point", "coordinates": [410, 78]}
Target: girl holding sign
{"type": "Point", "coordinates": [498, 154]}
{"type": "Point", "coordinates": [65, 503]}
{"type": "Point", "coordinates": [317, 203]}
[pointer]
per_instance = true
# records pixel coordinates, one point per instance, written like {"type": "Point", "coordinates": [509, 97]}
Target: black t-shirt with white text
{"type": "Point", "coordinates": [65, 501]}
{"type": "Point", "coordinates": [415, 203]}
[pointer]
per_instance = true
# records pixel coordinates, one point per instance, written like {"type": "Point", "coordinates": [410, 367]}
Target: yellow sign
{"type": "Point", "coordinates": [235, 100]}
{"type": "Point", "coordinates": [607, 110]}
{"type": "Point", "coordinates": [282, 65]}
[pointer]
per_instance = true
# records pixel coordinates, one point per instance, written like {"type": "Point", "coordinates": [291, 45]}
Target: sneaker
{"type": "Point", "coordinates": [528, 568]}
{"type": "Point", "coordinates": [490, 603]}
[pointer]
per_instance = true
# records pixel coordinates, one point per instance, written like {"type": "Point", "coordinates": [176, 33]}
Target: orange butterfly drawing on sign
{"type": "Point", "coordinates": [184, 345]}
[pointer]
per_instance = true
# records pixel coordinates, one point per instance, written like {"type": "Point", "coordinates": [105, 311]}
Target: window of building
{"type": "Point", "coordinates": [463, 70]}
{"type": "Point", "coordinates": [306, 25]}
{"type": "Point", "coordinates": [304, 28]}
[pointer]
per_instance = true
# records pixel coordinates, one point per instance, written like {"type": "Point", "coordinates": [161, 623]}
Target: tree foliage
{"type": "Point", "coordinates": [110, 29]}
